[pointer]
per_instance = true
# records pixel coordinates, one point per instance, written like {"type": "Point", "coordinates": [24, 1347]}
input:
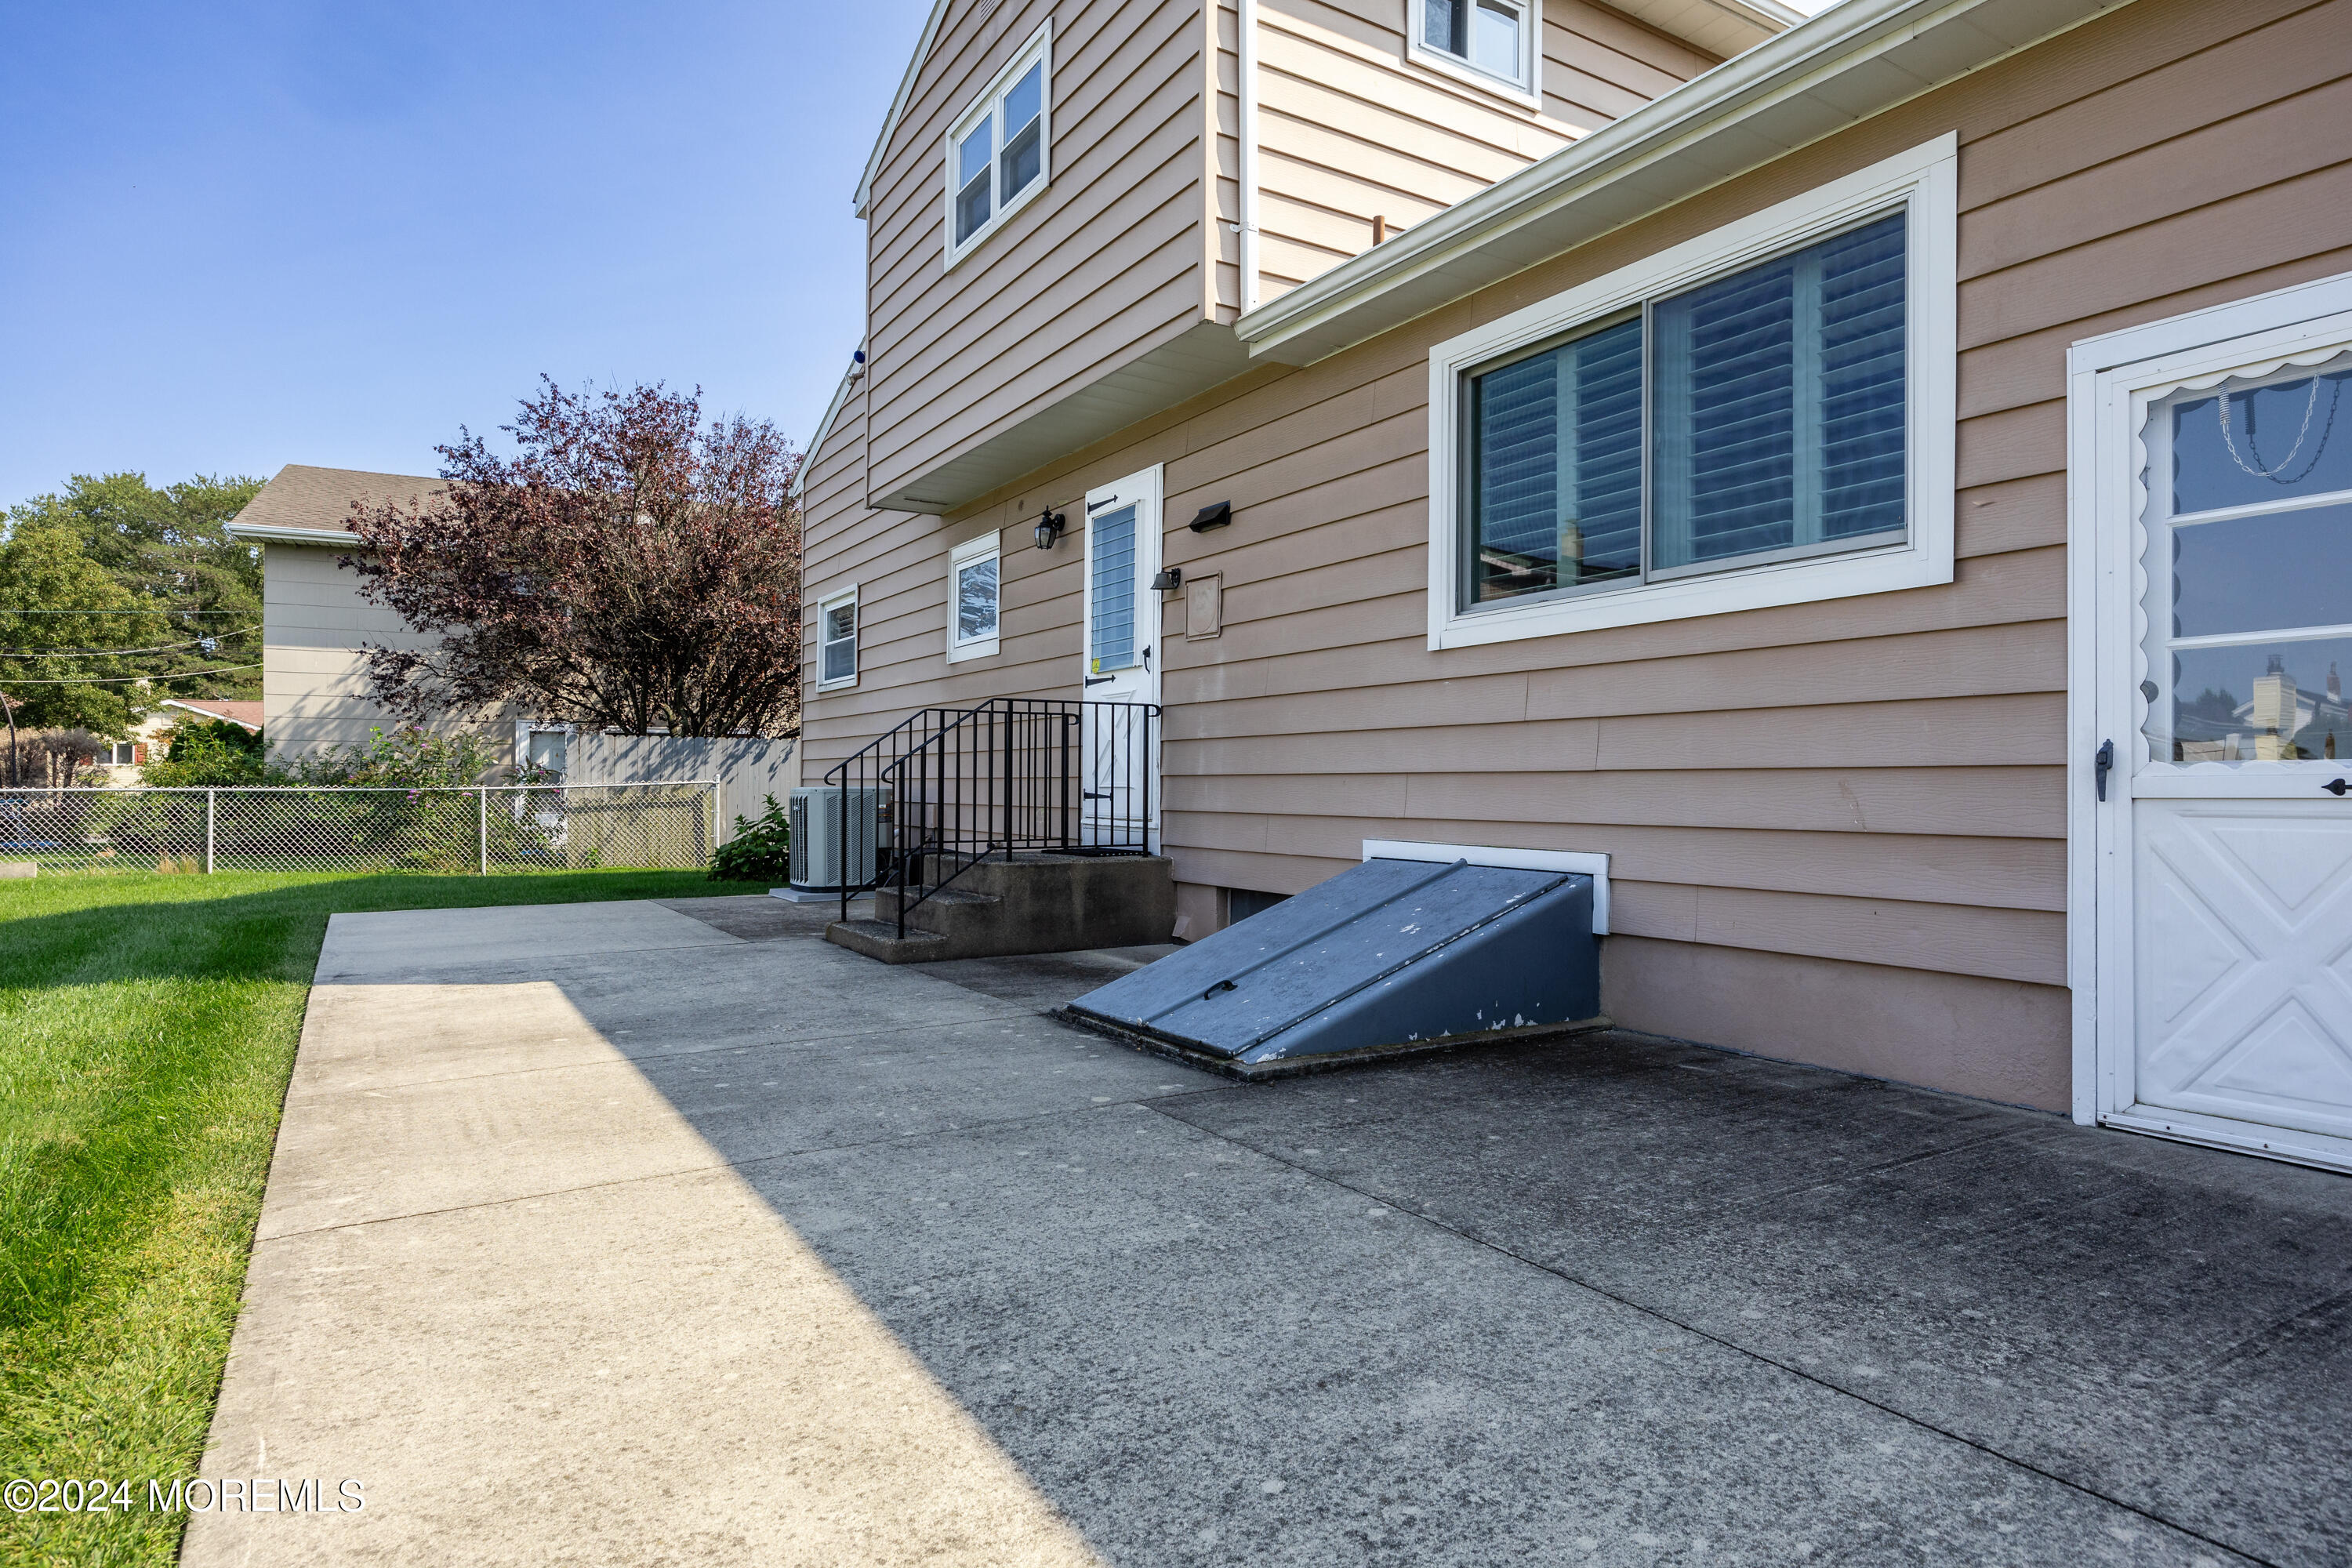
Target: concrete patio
{"type": "Point", "coordinates": [670, 1234]}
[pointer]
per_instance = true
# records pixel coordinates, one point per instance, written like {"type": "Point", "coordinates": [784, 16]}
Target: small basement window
{"type": "Point", "coordinates": [998, 153]}
{"type": "Point", "coordinates": [1493, 43]}
{"type": "Point", "coordinates": [837, 639]}
{"type": "Point", "coordinates": [974, 568]}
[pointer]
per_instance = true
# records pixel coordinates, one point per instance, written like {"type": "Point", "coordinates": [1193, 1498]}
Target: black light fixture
{"type": "Point", "coordinates": [1170, 579]}
{"type": "Point", "coordinates": [1049, 529]}
{"type": "Point", "coordinates": [1210, 517]}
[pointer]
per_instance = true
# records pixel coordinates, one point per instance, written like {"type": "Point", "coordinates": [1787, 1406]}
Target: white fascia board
{"type": "Point", "coordinates": [264, 533]}
{"type": "Point", "coordinates": [1856, 59]}
{"type": "Point", "coordinates": [898, 108]}
{"type": "Point", "coordinates": [1594, 866]}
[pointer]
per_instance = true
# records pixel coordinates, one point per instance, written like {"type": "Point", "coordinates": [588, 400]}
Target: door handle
{"type": "Point", "coordinates": [2336, 787]}
{"type": "Point", "coordinates": [1096, 679]}
{"type": "Point", "coordinates": [2102, 764]}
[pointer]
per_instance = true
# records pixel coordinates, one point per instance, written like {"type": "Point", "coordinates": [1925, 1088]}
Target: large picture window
{"type": "Point", "coordinates": [1774, 399]}
{"type": "Point", "coordinates": [997, 152]}
{"type": "Point", "coordinates": [1760, 416]}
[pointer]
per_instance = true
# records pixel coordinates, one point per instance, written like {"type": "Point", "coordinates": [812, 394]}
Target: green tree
{"type": "Point", "coordinates": [170, 549]}
{"type": "Point", "coordinates": [56, 605]}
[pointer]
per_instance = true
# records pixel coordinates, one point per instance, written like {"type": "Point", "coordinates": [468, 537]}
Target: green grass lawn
{"type": "Point", "coordinates": [147, 1029]}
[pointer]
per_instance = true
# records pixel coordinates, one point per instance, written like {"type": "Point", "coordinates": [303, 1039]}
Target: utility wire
{"type": "Point", "coordinates": [5, 610]}
{"type": "Point", "coordinates": [125, 679]}
{"type": "Point", "coordinates": [107, 652]}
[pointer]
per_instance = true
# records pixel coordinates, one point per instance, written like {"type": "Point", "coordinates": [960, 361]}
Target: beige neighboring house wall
{"type": "Point", "coordinates": [314, 688]}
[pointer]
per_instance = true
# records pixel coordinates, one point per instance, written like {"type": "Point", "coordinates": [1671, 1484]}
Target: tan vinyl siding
{"type": "Point", "coordinates": [1351, 126]}
{"type": "Point", "coordinates": [1109, 262]}
{"type": "Point", "coordinates": [314, 688]}
{"type": "Point", "coordinates": [1830, 822]}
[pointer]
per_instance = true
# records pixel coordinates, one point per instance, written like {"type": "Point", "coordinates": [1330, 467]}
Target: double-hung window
{"type": "Point", "coordinates": [997, 154]}
{"type": "Point", "coordinates": [1493, 43]}
{"type": "Point", "coordinates": [973, 570]}
{"type": "Point", "coordinates": [1761, 416]}
{"type": "Point", "coordinates": [836, 656]}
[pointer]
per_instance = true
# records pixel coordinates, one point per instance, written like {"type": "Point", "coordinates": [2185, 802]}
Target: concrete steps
{"type": "Point", "coordinates": [1031, 903]}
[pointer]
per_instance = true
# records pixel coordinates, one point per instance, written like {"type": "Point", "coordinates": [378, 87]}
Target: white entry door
{"type": "Point", "coordinates": [2225, 903]}
{"type": "Point", "coordinates": [1120, 678]}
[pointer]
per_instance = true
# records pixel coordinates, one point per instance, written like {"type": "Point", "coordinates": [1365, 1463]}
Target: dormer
{"type": "Point", "coordinates": [1072, 202]}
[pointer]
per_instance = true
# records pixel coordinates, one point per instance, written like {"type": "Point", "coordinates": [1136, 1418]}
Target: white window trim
{"type": "Point", "coordinates": [1527, 92]}
{"type": "Point", "coordinates": [986, 546]}
{"type": "Point", "coordinates": [1925, 180]}
{"type": "Point", "coordinates": [1040, 47]}
{"type": "Point", "coordinates": [857, 651]}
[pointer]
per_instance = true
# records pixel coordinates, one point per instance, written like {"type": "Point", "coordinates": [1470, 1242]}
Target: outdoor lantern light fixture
{"type": "Point", "coordinates": [1049, 529]}
{"type": "Point", "coordinates": [1170, 580]}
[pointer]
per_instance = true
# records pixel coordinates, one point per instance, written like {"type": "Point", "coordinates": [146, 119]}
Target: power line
{"type": "Point", "coordinates": [104, 652]}
{"type": "Point", "coordinates": [124, 680]}
{"type": "Point", "coordinates": [5, 610]}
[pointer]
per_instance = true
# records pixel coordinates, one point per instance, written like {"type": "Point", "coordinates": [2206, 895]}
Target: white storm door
{"type": "Point", "coordinates": [2233, 749]}
{"type": "Point", "coordinates": [1120, 678]}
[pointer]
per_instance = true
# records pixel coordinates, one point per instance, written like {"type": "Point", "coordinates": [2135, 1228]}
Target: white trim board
{"type": "Point", "coordinates": [1591, 865]}
{"type": "Point", "coordinates": [2109, 380]}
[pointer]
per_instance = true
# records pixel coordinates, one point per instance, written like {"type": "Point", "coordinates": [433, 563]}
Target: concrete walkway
{"type": "Point", "coordinates": [645, 1234]}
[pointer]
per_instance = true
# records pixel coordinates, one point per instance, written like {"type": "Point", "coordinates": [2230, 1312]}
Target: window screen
{"type": "Point", "coordinates": [838, 658]}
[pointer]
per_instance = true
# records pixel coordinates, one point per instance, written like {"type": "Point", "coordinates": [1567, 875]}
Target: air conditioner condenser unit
{"type": "Point", "coordinates": [829, 852]}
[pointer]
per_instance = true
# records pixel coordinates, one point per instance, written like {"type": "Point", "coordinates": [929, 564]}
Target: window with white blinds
{"type": "Point", "coordinates": [1776, 407]}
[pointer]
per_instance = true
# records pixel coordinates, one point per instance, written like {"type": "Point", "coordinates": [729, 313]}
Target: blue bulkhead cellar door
{"type": "Point", "coordinates": [1389, 954]}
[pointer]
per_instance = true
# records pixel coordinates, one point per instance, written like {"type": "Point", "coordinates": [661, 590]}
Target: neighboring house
{"type": "Point", "coordinates": [314, 686]}
{"type": "Point", "coordinates": [125, 758]}
{"type": "Point", "coordinates": [246, 715]}
{"type": "Point", "coordinates": [1726, 442]}
{"type": "Point", "coordinates": [314, 670]}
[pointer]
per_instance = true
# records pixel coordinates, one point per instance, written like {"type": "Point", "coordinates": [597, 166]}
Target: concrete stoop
{"type": "Point", "coordinates": [1031, 903]}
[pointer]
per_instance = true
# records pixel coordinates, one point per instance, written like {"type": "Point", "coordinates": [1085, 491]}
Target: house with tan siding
{"type": "Point", "coordinates": [1878, 478]}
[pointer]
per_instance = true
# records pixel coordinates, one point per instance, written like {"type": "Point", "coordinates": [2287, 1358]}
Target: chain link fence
{"type": "Point", "coordinates": [519, 828]}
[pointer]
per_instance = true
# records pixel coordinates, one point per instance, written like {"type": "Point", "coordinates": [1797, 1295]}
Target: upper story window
{"type": "Point", "coordinates": [998, 152]}
{"type": "Point", "coordinates": [1760, 416]}
{"type": "Point", "coordinates": [1491, 42]}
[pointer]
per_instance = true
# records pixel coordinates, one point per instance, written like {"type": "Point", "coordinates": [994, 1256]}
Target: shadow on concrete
{"type": "Point", "coordinates": [1613, 1299]}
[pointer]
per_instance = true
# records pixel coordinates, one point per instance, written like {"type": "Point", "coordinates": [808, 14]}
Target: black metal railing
{"type": "Point", "coordinates": [950, 787]}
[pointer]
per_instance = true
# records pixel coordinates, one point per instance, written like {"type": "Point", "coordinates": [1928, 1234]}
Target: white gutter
{"type": "Point", "coordinates": [1854, 60]}
{"type": "Point", "coordinates": [1249, 247]}
{"type": "Point", "coordinates": [273, 533]}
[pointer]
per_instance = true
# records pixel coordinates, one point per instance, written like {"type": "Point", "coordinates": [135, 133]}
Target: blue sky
{"type": "Point", "coordinates": [234, 235]}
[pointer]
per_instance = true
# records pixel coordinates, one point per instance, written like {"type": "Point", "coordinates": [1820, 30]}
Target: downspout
{"type": "Point", "coordinates": [1249, 154]}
